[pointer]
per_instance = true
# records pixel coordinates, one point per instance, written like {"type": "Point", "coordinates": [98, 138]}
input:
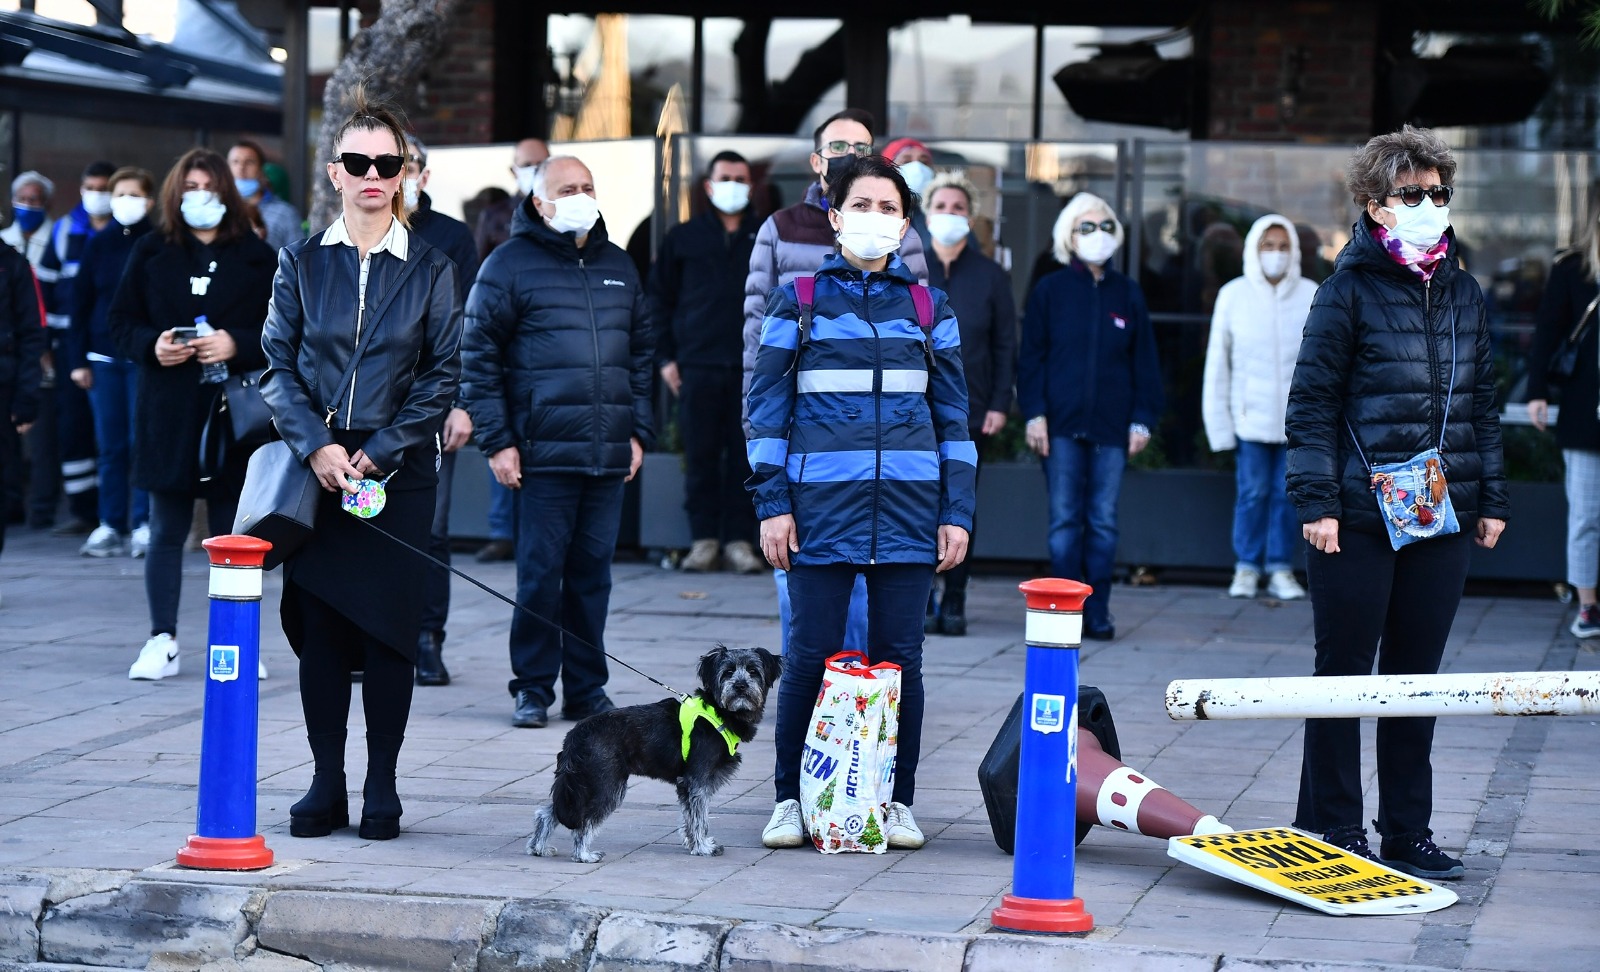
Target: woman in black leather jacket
{"type": "Point", "coordinates": [1395, 361]}
{"type": "Point", "coordinates": [352, 597]}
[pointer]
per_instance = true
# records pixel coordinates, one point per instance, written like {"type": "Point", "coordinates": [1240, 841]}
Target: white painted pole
{"type": "Point", "coordinates": [1369, 696]}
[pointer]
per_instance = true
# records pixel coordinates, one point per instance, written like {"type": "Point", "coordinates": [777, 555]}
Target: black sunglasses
{"type": "Point", "coordinates": [357, 164]}
{"type": "Point", "coordinates": [1412, 195]}
{"type": "Point", "coordinates": [1086, 227]}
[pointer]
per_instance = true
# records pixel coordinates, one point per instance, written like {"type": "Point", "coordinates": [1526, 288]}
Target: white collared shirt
{"type": "Point", "coordinates": [396, 241]}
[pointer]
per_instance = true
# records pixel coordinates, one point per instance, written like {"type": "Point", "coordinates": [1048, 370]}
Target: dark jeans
{"type": "Point", "coordinates": [715, 464]}
{"type": "Point", "coordinates": [436, 585]}
{"type": "Point", "coordinates": [567, 534]}
{"type": "Point", "coordinates": [1265, 527]}
{"type": "Point", "coordinates": [116, 386]}
{"type": "Point", "coordinates": [820, 596]}
{"type": "Point", "coordinates": [502, 511]}
{"type": "Point", "coordinates": [955, 579]}
{"type": "Point", "coordinates": [170, 517]}
{"type": "Point", "coordinates": [1083, 480]}
{"type": "Point", "coordinates": [1370, 600]}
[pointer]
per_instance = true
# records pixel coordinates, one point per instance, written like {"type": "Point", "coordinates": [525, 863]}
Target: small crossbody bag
{"type": "Point", "coordinates": [1414, 496]}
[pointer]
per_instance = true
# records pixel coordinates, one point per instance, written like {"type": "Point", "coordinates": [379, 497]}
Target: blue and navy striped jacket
{"type": "Point", "coordinates": [866, 447]}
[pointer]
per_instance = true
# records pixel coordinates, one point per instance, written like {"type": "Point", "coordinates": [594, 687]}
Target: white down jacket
{"type": "Point", "coordinates": [1255, 338]}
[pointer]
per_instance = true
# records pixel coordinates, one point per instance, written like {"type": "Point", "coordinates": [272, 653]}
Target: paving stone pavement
{"type": "Point", "coordinates": [98, 774]}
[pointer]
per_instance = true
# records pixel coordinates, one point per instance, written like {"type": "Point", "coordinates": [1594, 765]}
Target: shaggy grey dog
{"type": "Point", "coordinates": [602, 751]}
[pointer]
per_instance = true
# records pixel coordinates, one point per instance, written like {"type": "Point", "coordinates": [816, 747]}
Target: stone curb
{"type": "Point", "coordinates": [189, 926]}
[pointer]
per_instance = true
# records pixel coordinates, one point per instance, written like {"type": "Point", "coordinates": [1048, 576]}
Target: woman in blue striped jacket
{"type": "Point", "coordinates": [862, 464]}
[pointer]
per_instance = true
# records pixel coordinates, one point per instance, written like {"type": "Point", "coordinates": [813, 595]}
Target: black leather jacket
{"type": "Point", "coordinates": [405, 382]}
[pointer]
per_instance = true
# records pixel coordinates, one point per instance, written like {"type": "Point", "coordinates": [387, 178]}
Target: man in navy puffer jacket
{"type": "Point", "coordinates": [556, 373]}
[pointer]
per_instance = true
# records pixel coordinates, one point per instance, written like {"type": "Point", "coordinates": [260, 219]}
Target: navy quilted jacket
{"type": "Point", "coordinates": [856, 438]}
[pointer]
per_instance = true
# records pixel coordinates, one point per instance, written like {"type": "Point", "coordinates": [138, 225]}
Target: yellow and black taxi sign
{"type": "Point", "coordinates": [1303, 869]}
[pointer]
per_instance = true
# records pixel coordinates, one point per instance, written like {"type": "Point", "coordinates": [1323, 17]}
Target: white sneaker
{"type": "Point", "coordinates": [784, 829]}
{"type": "Point", "coordinates": [902, 831]}
{"type": "Point", "coordinates": [104, 541]}
{"type": "Point", "coordinates": [139, 541]}
{"type": "Point", "coordinates": [1244, 583]}
{"type": "Point", "coordinates": [157, 659]}
{"type": "Point", "coordinates": [261, 670]}
{"type": "Point", "coordinates": [1284, 587]}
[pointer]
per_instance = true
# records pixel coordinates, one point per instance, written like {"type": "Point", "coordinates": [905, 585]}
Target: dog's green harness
{"type": "Point", "coordinates": [694, 708]}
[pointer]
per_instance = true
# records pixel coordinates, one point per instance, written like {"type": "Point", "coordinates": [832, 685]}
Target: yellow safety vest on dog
{"type": "Point", "coordinates": [694, 708]}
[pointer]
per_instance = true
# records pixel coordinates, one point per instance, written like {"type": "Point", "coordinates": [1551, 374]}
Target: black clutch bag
{"type": "Point", "coordinates": [279, 501]}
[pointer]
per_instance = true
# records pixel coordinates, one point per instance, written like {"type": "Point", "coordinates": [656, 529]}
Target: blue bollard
{"type": "Point", "coordinates": [225, 837]}
{"type": "Point", "coordinates": [1042, 897]}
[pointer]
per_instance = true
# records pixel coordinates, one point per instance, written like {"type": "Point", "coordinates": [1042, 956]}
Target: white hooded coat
{"type": "Point", "coordinates": [1255, 339]}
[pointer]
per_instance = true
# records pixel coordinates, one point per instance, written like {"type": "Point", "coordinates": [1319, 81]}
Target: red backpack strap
{"type": "Point", "coordinates": [805, 293]}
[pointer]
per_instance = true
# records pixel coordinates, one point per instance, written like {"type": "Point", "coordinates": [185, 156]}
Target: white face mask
{"type": "Point", "coordinates": [96, 203]}
{"type": "Point", "coordinates": [202, 210]}
{"type": "Point", "coordinates": [524, 174]}
{"type": "Point", "coordinates": [917, 176]}
{"type": "Point", "coordinates": [413, 195]}
{"type": "Point", "coordinates": [1274, 263]}
{"type": "Point", "coordinates": [1421, 225]}
{"type": "Point", "coordinates": [128, 210]}
{"type": "Point", "coordinates": [870, 235]}
{"type": "Point", "coordinates": [576, 213]}
{"type": "Point", "coordinates": [1095, 248]}
{"type": "Point", "coordinates": [730, 197]}
{"type": "Point", "coordinates": [948, 229]}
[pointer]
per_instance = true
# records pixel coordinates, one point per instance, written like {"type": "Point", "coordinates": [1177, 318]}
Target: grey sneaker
{"type": "Point", "coordinates": [741, 558]}
{"type": "Point", "coordinates": [1245, 581]}
{"type": "Point", "coordinates": [1284, 587]}
{"type": "Point", "coordinates": [104, 541]}
{"type": "Point", "coordinates": [704, 556]}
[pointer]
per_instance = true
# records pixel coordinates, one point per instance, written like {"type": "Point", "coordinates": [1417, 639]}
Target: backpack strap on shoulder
{"type": "Point", "coordinates": [805, 293]}
{"type": "Point", "coordinates": [922, 298]}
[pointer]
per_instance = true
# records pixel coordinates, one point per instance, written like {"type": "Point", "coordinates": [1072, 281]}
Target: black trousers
{"type": "Point", "coordinates": [715, 463]}
{"type": "Point", "coordinates": [1369, 600]}
{"type": "Point", "coordinates": [332, 648]}
{"type": "Point", "coordinates": [436, 583]}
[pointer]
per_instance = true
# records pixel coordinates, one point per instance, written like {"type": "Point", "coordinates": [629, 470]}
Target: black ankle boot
{"type": "Point", "coordinates": [953, 612]}
{"type": "Point", "coordinates": [430, 660]}
{"type": "Point", "coordinates": [380, 803]}
{"type": "Point", "coordinates": [325, 807]}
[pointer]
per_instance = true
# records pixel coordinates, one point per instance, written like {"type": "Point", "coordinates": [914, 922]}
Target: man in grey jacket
{"type": "Point", "coordinates": [796, 239]}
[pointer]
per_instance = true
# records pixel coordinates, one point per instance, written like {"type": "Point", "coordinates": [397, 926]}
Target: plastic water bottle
{"type": "Point", "coordinates": [216, 372]}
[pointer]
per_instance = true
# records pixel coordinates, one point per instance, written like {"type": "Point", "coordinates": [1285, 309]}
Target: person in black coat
{"type": "Point", "coordinates": [369, 291]}
{"type": "Point", "coordinates": [1395, 361]}
{"type": "Point", "coordinates": [697, 294]}
{"type": "Point", "coordinates": [1089, 384]}
{"type": "Point", "coordinates": [556, 371]}
{"type": "Point", "coordinates": [454, 238]}
{"type": "Point", "coordinates": [112, 381]}
{"type": "Point", "coordinates": [1570, 301]}
{"type": "Point", "coordinates": [204, 266]}
{"type": "Point", "coordinates": [22, 343]}
{"type": "Point", "coordinates": [979, 291]}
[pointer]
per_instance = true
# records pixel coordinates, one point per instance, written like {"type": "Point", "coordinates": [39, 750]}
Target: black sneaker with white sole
{"type": "Point", "coordinates": [1587, 623]}
{"type": "Point", "coordinates": [1417, 855]}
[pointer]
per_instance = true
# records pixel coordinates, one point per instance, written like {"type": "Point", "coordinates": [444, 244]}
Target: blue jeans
{"type": "Point", "coordinates": [1083, 480]}
{"type": "Point", "coordinates": [568, 534]}
{"type": "Point", "coordinates": [502, 512]}
{"type": "Point", "coordinates": [1265, 527]}
{"type": "Point", "coordinates": [855, 627]}
{"type": "Point", "coordinates": [896, 597]}
{"type": "Point", "coordinates": [116, 387]}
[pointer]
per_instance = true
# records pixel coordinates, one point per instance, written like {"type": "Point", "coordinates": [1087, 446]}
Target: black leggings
{"type": "Point", "coordinates": [332, 648]}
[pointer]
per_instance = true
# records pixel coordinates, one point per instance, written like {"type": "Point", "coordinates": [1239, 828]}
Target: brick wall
{"type": "Point", "coordinates": [457, 94]}
{"type": "Point", "coordinates": [1326, 50]}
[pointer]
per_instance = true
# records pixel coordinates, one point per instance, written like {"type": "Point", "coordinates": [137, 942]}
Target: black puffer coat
{"type": "Point", "coordinates": [1376, 352]}
{"type": "Point", "coordinates": [556, 358]}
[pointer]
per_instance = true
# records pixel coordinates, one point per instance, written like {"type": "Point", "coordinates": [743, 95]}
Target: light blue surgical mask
{"type": "Point", "coordinates": [202, 210]}
{"type": "Point", "coordinates": [248, 187]}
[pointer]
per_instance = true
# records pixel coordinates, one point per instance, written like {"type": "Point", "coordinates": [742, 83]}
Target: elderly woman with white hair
{"type": "Point", "coordinates": [1090, 386]}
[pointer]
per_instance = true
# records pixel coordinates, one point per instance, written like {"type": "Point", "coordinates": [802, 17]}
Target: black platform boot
{"type": "Point", "coordinates": [326, 806]}
{"type": "Point", "coordinates": [380, 804]}
{"type": "Point", "coordinates": [430, 659]}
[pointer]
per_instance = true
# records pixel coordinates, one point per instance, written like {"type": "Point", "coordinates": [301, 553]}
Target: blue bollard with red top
{"type": "Point", "coordinates": [1042, 897]}
{"type": "Point", "coordinates": [225, 837]}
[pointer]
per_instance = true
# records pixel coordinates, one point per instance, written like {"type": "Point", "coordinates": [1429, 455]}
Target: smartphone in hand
{"type": "Point", "coordinates": [183, 335]}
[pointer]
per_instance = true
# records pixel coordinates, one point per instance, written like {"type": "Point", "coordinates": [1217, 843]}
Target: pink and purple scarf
{"type": "Point", "coordinates": [1421, 262]}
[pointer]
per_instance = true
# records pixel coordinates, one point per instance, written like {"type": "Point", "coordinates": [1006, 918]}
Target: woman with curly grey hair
{"type": "Point", "coordinates": [1394, 463]}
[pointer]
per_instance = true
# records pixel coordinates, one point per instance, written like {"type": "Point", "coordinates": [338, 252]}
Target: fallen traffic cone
{"type": "Point", "coordinates": [1113, 795]}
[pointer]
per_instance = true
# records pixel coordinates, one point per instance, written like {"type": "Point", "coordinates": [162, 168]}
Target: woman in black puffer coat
{"type": "Point", "coordinates": [1395, 361]}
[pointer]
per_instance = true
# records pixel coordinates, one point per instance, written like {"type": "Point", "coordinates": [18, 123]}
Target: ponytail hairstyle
{"type": "Point", "coordinates": [377, 116]}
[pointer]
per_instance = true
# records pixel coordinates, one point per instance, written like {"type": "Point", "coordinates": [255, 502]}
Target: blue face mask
{"type": "Point", "coordinates": [28, 218]}
{"type": "Point", "coordinates": [248, 187]}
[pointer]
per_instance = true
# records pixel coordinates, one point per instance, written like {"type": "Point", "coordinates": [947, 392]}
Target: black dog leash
{"type": "Point", "coordinates": [532, 614]}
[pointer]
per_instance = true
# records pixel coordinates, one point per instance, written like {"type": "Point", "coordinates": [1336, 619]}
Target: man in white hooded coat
{"type": "Point", "coordinates": [1255, 337]}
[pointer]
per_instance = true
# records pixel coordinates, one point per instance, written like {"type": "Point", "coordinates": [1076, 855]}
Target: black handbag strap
{"type": "Point", "coordinates": [417, 249]}
{"type": "Point", "coordinates": [1583, 322]}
